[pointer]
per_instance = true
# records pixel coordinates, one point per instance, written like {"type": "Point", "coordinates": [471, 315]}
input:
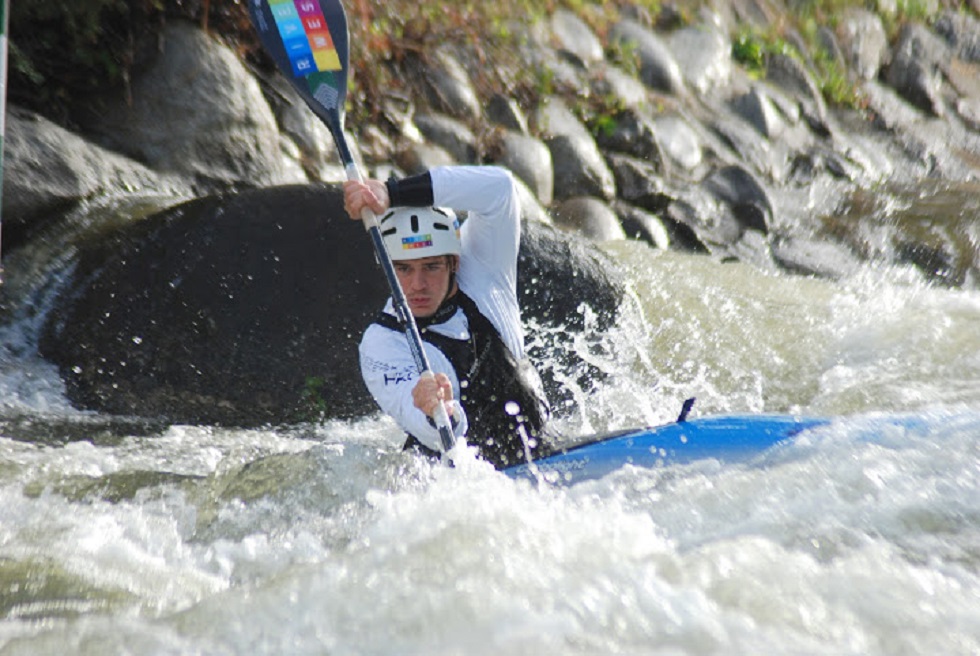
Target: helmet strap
{"type": "Point", "coordinates": [453, 266]}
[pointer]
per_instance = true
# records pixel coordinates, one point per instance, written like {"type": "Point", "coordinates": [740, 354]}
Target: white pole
{"type": "Point", "coordinates": [4, 16]}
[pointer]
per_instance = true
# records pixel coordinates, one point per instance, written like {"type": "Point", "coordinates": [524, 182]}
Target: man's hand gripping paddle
{"type": "Point", "coordinates": [309, 42]}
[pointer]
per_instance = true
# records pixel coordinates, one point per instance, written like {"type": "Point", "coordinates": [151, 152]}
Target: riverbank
{"type": "Point", "coordinates": [661, 130]}
{"type": "Point", "coordinates": [702, 127]}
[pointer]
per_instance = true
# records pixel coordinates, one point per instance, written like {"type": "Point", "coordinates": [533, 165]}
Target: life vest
{"type": "Point", "coordinates": [502, 394]}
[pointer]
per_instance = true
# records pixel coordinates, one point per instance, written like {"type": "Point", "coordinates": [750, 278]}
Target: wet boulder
{"type": "Point", "coordinates": [450, 134]}
{"type": "Point", "coordinates": [445, 83]}
{"type": "Point", "coordinates": [658, 68]}
{"type": "Point", "coordinates": [864, 42]}
{"type": "Point", "coordinates": [729, 215]}
{"type": "Point", "coordinates": [747, 198]}
{"type": "Point", "coordinates": [789, 74]}
{"type": "Point", "coordinates": [707, 222]}
{"type": "Point", "coordinates": [528, 158]}
{"type": "Point", "coordinates": [639, 183]}
{"type": "Point", "coordinates": [579, 168]}
{"type": "Point", "coordinates": [916, 68]}
{"type": "Point", "coordinates": [567, 287]}
{"type": "Point", "coordinates": [678, 141]}
{"type": "Point", "coordinates": [633, 133]}
{"type": "Point", "coordinates": [576, 37]}
{"type": "Point", "coordinates": [223, 310]}
{"type": "Point", "coordinates": [47, 167]}
{"type": "Point", "coordinates": [506, 113]}
{"type": "Point", "coordinates": [590, 217]}
{"type": "Point", "coordinates": [197, 112]}
{"type": "Point", "coordinates": [704, 55]}
{"type": "Point", "coordinates": [962, 32]}
{"type": "Point", "coordinates": [641, 225]}
{"type": "Point", "coordinates": [812, 257]}
{"type": "Point", "coordinates": [418, 157]}
{"type": "Point", "coordinates": [756, 107]}
{"type": "Point", "coordinates": [610, 81]}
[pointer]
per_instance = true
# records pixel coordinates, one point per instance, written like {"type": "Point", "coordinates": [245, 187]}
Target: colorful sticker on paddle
{"type": "Point", "coordinates": [418, 241]}
{"type": "Point", "coordinates": [305, 36]}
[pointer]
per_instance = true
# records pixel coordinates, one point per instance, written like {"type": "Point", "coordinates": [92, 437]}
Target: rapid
{"type": "Point", "coordinates": [123, 536]}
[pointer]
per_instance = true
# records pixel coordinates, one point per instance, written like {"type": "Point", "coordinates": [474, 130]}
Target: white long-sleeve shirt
{"type": "Point", "coordinates": [491, 238]}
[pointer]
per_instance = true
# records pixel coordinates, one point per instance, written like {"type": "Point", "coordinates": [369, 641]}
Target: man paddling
{"type": "Point", "coordinates": [461, 286]}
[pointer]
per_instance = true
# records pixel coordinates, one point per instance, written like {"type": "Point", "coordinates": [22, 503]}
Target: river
{"type": "Point", "coordinates": [122, 537]}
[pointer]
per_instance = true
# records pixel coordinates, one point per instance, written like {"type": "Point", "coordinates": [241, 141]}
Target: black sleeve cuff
{"type": "Point", "coordinates": [413, 191]}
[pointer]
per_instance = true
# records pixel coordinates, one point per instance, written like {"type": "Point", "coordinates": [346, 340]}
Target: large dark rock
{"type": "Point", "coordinates": [559, 275]}
{"type": "Point", "coordinates": [247, 309]}
{"type": "Point", "coordinates": [221, 310]}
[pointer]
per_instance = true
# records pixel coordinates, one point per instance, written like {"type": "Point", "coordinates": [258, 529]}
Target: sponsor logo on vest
{"type": "Point", "coordinates": [395, 379]}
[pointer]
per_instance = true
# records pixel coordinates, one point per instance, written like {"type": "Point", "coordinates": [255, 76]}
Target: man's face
{"type": "Point", "coordinates": [425, 282]}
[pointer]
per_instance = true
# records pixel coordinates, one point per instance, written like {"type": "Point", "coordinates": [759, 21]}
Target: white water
{"type": "Point", "coordinates": [329, 540]}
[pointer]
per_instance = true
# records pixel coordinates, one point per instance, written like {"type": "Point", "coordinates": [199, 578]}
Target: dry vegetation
{"type": "Point", "coordinates": [62, 51]}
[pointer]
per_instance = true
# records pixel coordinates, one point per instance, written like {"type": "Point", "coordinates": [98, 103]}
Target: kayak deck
{"type": "Point", "coordinates": [728, 438]}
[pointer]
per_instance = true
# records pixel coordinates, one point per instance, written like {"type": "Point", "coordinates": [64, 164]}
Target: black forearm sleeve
{"type": "Point", "coordinates": [413, 191]}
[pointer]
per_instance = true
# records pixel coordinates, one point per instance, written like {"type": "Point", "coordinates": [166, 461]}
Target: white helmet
{"type": "Point", "coordinates": [411, 233]}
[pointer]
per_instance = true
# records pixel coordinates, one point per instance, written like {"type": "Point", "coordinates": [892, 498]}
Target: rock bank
{"type": "Point", "coordinates": [691, 150]}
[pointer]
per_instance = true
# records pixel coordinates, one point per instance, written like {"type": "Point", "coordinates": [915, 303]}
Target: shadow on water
{"type": "Point", "coordinates": [36, 590]}
{"type": "Point", "coordinates": [934, 227]}
{"type": "Point", "coordinates": [100, 430]}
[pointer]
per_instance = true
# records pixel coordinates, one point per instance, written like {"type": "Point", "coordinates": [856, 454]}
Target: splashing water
{"type": "Point", "coordinates": [117, 537]}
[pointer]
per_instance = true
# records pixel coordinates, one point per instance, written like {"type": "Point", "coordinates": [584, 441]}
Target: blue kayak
{"type": "Point", "coordinates": [728, 438]}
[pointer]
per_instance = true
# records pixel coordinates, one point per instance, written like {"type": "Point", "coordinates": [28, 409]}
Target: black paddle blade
{"type": "Point", "coordinates": [309, 42]}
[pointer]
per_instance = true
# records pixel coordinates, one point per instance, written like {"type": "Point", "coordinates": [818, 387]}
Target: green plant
{"type": "Point", "coordinates": [600, 113]}
{"type": "Point", "coordinates": [835, 84]}
{"type": "Point", "coordinates": [604, 124]}
{"type": "Point", "coordinates": [751, 47]}
{"type": "Point", "coordinates": [920, 10]}
{"type": "Point", "coordinates": [749, 51]}
{"type": "Point", "coordinates": [624, 55]}
{"type": "Point", "coordinates": [62, 49]}
{"type": "Point", "coordinates": [311, 398]}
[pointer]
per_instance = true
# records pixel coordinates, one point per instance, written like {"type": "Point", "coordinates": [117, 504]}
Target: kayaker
{"type": "Point", "coordinates": [460, 282]}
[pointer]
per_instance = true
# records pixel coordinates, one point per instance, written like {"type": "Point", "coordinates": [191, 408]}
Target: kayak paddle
{"type": "Point", "coordinates": [309, 42]}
